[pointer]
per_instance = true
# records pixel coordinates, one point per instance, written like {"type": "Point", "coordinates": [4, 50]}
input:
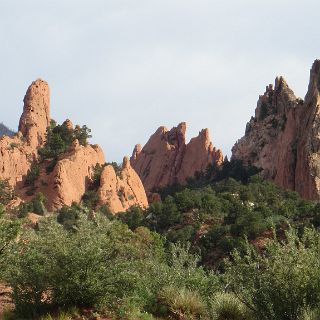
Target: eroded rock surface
{"type": "Point", "coordinates": [166, 159]}
{"type": "Point", "coordinates": [18, 152]}
{"type": "Point", "coordinates": [71, 176]}
{"type": "Point", "coordinates": [121, 190]}
{"type": "Point", "coordinates": [283, 137]}
{"type": "Point", "coordinates": [36, 113]}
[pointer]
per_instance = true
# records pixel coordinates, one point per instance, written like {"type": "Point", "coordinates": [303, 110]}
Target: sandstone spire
{"type": "Point", "coordinates": [36, 113]}
{"type": "Point", "coordinates": [20, 150]}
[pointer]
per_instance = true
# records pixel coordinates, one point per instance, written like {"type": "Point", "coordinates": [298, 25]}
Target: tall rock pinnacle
{"type": "Point", "coordinates": [36, 113]}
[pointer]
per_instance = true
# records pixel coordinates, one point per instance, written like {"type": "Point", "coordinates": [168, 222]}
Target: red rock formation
{"type": "Point", "coordinates": [74, 169]}
{"type": "Point", "coordinates": [199, 153]}
{"type": "Point", "coordinates": [18, 152]}
{"type": "Point", "coordinates": [283, 137]}
{"type": "Point", "coordinates": [35, 118]}
{"type": "Point", "coordinates": [71, 176]}
{"type": "Point", "coordinates": [167, 159]}
{"type": "Point", "coordinates": [121, 190]}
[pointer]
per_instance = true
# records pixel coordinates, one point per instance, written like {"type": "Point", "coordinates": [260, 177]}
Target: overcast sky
{"type": "Point", "coordinates": [124, 68]}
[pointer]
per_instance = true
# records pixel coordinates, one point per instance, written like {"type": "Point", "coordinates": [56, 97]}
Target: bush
{"type": "Point", "coordinates": [90, 199]}
{"type": "Point", "coordinates": [182, 303]}
{"type": "Point", "coordinates": [94, 265]}
{"type": "Point", "coordinates": [36, 205]}
{"type": "Point", "coordinates": [226, 306]}
{"type": "Point", "coordinates": [32, 175]}
{"type": "Point", "coordinates": [59, 139]}
{"type": "Point", "coordinates": [9, 230]}
{"type": "Point", "coordinates": [6, 192]}
{"type": "Point", "coordinates": [283, 281]}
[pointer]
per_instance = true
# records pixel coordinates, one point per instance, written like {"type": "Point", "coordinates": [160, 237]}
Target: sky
{"type": "Point", "coordinates": [126, 67]}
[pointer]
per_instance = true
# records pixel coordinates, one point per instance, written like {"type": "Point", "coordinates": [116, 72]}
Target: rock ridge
{"type": "Point", "coordinates": [166, 159]}
{"type": "Point", "coordinates": [283, 137]}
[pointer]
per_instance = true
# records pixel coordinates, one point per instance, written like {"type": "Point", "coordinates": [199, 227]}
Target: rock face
{"type": "Point", "coordinates": [283, 137]}
{"type": "Point", "coordinates": [71, 176]}
{"type": "Point", "coordinates": [166, 159]}
{"type": "Point", "coordinates": [35, 118]}
{"type": "Point", "coordinates": [15, 159]}
{"type": "Point", "coordinates": [121, 190]}
{"type": "Point", "coordinates": [18, 152]}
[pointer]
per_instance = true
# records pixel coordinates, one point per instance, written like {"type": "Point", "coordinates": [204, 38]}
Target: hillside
{"type": "Point", "coordinates": [176, 232]}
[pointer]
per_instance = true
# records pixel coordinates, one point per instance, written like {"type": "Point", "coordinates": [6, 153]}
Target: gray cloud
{"type": "Point", "coordinates": [126, 67]}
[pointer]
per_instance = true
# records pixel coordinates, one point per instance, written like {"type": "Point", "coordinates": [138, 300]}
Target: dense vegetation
{"type": "Point", "coordinates": [227, 246]}
{"type": "Point", "coordinates": [217, 217]}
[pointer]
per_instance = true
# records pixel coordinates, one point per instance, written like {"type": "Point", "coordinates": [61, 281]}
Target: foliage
{"type": "Point", "coordinates": [53, 267]}
{"type": "Point", "coordinates": [6, 192]}
{"type": "Point", "coordinates": [215, 218]}
{"type": "Point", "coordinates": [59, 139]}
{"type": "Point", "coordinates": [36, 205]}
{"type": "Point", "coordinates": [182, 303]}
{"type": "Point", "coordinates": [9, 230]}
{"type": "Point", "coordinates": [226, 306]}
{"type": "Point", "coordinates": [32, 175]}
{"type": "Point", "coordinates": [117, 168]}
{"type": "Point", "coordinates": [90, 199]}
{"type": "Point", "coordinates": [281, 283]}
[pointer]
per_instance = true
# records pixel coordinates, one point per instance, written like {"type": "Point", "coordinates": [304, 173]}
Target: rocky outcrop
{"type": "Point", "coordinates": [67, 180]}
{"type": "Point", "coordinates": [19, 151]}
{"type": "Point", "coordinates": [166, 159]}
{"type": "Point", "coordinates": [15, 159]}
{"type": "Point", "coordinates": [283, 137]}
{"type": "Point", "coordinates": [121, 190]}
{"type": "Point", "coordinates": [199, 153]}
{"type": "Point", "coordinates": [307, 177]}
{"type": "Point", "coordinates": [70, 177]}
{"type": "Point", "coordinates": [35, 118]}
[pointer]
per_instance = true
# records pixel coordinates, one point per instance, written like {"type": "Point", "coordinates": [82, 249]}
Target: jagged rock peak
{"type": "Point", "coordinates": [314, 83]}
{"type": "Point", "coordinates": [167, 159]}
{"type": "Point", "coordinates": [283, 138]}
{"type": "Point", "coordinates": [136, 151]}
{"type": "Point", "coordinates": [121, 190]}
{"type": "Point", "coordinates": [125, 163]}
{"type": "Point", "coordinates": [177, 135]}
{"type": "Point", "coordinates": [36, 113]}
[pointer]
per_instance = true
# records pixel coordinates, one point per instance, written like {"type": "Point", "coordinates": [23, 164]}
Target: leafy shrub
{"type": "Point", "coordinates": [36, 205]}
{"type": "Point", "coordinates": [226, 306]}
{"type": "Point", "coordinates": [182, 303]}
{"type": "Point", "coordinates": [52, 267]}
{"type": "Point", "coordinates": [32, 175]}
{"type": "Point", "coordinates": [90, 199]}
{"type": "Point", "coordinates": [9, 230]}
{"type": "Point", "coordinates": [6, 192]}
{"type": "Point", "coordinates": [59, 139]}
{"type": "Point", "coordinates": [69, 216]}
{"type": "Point", "coordinates": [281, 283]}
